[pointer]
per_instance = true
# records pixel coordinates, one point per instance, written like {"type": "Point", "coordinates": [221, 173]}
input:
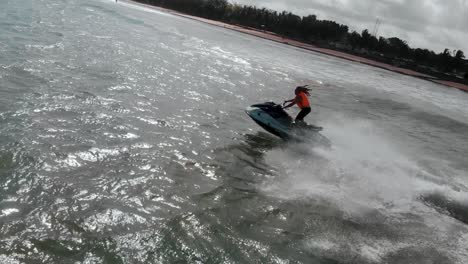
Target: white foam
{"type": "Point", "coordinates": [142, 146]}
{"type": "Point", "coordinates": [8, 259]}
{"type": "Point", "coordinates": [97, 154]}
{"type": "Point", "coordinates": [70, 161]}
{"type": "Point", "coordinates": [8, 211]}
{"type": "Point", "coordinates": [112, 217]}
{"type": "Point", "coordinates": [141, 7]}
{"type": "Point", "coordinates": [130, 136]}
{"type": "Point", "coordinates": [363, 170]}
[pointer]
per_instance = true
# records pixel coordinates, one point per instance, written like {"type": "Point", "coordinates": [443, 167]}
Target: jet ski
{"type": "Point", "coordinates": [274, 119]}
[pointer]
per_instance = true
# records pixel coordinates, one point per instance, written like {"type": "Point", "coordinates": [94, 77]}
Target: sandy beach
{"type": "Point", "coordinates": [275, 37]}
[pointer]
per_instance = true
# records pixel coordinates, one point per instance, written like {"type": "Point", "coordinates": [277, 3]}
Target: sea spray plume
{"type": "Point", "coordinates": [360, 170]}
{"type": "Point", "coordinates": [366, 191]}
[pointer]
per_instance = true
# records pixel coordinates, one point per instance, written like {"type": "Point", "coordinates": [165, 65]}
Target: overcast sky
{"type": "Point", "coordinates": [433, 24]}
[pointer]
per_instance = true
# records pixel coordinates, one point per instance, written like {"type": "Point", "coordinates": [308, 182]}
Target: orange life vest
{"type": "Point", "coordinates": [302, 100]}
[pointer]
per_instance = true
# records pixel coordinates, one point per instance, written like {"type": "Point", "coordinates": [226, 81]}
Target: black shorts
{"type": "Point", "coordinates": [303, 113]}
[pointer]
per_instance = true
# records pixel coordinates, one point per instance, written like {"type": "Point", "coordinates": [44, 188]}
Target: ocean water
{"type": "Point", "coordinates": [123, 139]}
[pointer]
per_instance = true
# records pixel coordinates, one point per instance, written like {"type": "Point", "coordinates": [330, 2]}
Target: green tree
{"type": "Point", "coordinates": [354, 39]}
{"type": "Point", "coordinates": [399, 47]}
{"type": "Point", "coordinates": [459, 60]}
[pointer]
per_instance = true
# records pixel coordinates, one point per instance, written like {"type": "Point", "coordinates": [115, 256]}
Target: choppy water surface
{"type": "Point", "coordinates": [123, 140]}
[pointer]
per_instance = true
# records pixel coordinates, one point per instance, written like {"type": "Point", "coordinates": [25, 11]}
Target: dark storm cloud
{"type": "Point", "coordinates": [434, 24]}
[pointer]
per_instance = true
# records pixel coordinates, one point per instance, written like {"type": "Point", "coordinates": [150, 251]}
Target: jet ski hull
{"type": "Point", "coordinates": [267, 122]}
{"type": "Point", "coordinates": [275, 120]}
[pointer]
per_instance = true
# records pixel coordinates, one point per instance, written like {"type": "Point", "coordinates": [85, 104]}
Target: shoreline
{"type": "Point", "coordinates": [334, 53]}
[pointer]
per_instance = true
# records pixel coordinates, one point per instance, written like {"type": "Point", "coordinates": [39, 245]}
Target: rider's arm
{"type": "Point", "coordinates": [293, 102]}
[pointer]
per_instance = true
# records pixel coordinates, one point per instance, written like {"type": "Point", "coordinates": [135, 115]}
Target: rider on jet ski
{"type": "Point", "coordinates": [302, 92]}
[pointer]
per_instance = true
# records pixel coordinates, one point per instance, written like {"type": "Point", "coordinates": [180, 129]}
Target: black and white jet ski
{"type": "Point", "coordinates": [275, 120]}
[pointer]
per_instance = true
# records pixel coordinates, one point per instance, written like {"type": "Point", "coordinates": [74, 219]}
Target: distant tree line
{"type": "Point", "coordinates": [446, 61]}
{"type": "Point", "coordinates": [312, 30]}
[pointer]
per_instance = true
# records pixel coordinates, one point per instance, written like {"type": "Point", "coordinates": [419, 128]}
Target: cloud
{"type": "Point", "coordinates": [433, 24]}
